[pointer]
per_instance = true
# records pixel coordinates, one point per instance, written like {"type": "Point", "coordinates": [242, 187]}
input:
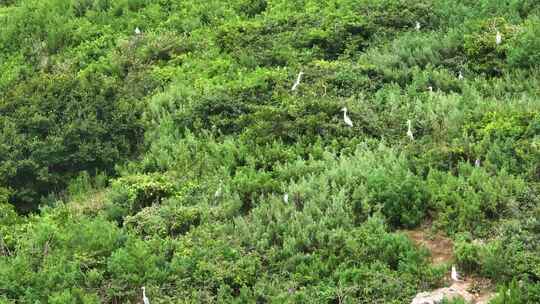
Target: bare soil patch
{"type": "Point", "coordinates": [441, 247]}
{"type": "Point", "coordinates": [442, 252]}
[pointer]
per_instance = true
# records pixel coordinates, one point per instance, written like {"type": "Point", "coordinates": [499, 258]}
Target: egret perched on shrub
{"type": "Point", "coordinates": [454, 274]}
{"type": "Point", "coordinates": [144, 297]}
{"type": "Point", "coordinates": [409, 130]}
{"type": "Point", "coordinates": [460, 76]}
{"type": "Point", "coordinates": [346, 118]}
{"type": "Point", "coordinates": [286, 198]}
{"type": "Point", "coordinates": [498, 38]}
{"type": "Point", "coordinates": [218, 192]}
{"type": "Point", "coordinates": [477, 163]}
{"type": "Point", "coordinates": [430, 89]}
{"type": "Point", "coordinates": [297, 82]}
{"type": "Point", "coordinates": [137, 31]}
{"type": "Point", "coordinates": [417, 27]}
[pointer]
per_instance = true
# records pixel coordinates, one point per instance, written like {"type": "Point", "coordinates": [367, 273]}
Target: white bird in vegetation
{"type": "Point", "coordinates": [144, 297]}
{"type": "Point", "coordinates": [346, 118]}
{"type": "Point", "coordinates": [498, 38]}
{"type": "Point", "coordinates": [286, 198]}
{"type": "Point", "coordinates": [460, 76]}
{"type": "Point", "coordinates": [297, 82]}
{"type": "Point", "coordinates": [137, 31]}
{"type": "Point", "coordinates": [417, 27]}
{"type": "Point", "coordinates": [218, 192]}
{"type": "Point", "coordinates": [454, 274]}
{"type": "Point", "coordinates": [409, 130]}
{"type": "Point", "coordinates": [430, 88]}
{"type": "Point", "coordinates": [477, 163]}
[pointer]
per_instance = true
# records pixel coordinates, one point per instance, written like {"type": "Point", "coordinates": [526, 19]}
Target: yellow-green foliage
{"type": "Point", "coordinates": [180, 158]}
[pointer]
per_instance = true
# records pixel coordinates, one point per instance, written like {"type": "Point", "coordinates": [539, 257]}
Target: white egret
{"type": "Point", "coordinates": [417, 27]}
{"type": "Point", "coordinates": [430, 88]}
{"type": "Point", "coordinates": [137, 31]}
{"type": "Point", "coordinates": [409, 130]}
{"type": "Point", "coordinates": [460, 76]}
{"type": "Point", "coordinates": [286, 198]}
{"type": "Point", "coordinates": [477, 163]}
{"type": "Point", "coordinates": [498, 38]}
{"type": "Point", "coordinates": [218, 192]}
{"type": "Point", "coordinates": [346, 118]}
{"type": "Point", "coordinates": [144, 297]}
{"type": "Point", "coordinates": [297, 82]}
{"type": "Point", "coordinates": [454, 274]}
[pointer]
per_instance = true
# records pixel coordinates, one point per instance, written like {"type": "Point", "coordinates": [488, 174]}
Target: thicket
{"type": "Point", "coordinates": [163, 158]}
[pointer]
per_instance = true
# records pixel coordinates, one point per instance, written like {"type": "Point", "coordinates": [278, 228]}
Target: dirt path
{"type": "Point", "coordinates": [441, 247]}
{"type": "Point", "coordinates": [442, 252]}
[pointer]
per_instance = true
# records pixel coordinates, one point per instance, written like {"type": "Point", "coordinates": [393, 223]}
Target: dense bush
{"type": "Point", "coordinates": [54, 127]}
{"type": "Point", "coordinates": [525, 54]}
{"type": "Point", "coordinates": [481, 47]}
{"type": "Point", "coordinates": [179, 158]}
{"type": "Point", "coordinates": [472, 200]}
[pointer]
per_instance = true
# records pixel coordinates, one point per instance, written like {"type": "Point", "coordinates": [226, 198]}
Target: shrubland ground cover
{"type": "Point", "coordinates": [161, 159]}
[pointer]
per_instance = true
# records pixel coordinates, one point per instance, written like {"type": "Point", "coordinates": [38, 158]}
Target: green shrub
{"type": "Point", "coordinates": [56, 253]}
{"type": "Point", "coordinates": [481, 48]}
{"type": "Point", "coordinates": [10, 228]}
{"type": "Point", "coordinates": [527, 45]}
{"type": "Point", "coordinates": [74, 295]}
{"type": "Point", "coordinates": [252, 8]}
{"type": "Point", "coordinates": [472, 199]}
{"type": "Point", "coordinates": [468, 255]}
{"type": "Point", "coordinates": [132, 266]}
{"type": "Point", "coordinates": [168, 220]}
{"type": "Point", "coordinates": [229, 187]}
{"type": "Point", "coordinates": [511, 294]}
{"type": "Point", "coordinates": [135, 192]}
{"type": "Point", "coordinates": [508, 140]}
{"type": "Point", "coordinates": [55, 126]}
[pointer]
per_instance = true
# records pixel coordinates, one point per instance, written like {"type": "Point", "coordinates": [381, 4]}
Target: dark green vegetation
{"type": "Point", "coordinates": [161, 159]}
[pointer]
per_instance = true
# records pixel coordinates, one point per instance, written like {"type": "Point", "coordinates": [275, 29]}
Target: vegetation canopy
{"type": "Point", "coordinates": [199, 149]}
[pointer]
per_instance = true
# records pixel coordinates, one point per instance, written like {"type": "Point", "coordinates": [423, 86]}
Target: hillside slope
{"type": "Point", "coordinates": [161, 144]}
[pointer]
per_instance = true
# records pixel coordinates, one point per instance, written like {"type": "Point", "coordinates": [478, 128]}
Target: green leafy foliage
{"type": "Point", "coordinates": [180, 159]}
{"type": "Point", "coordinates": [473, 199]}
{"type": "Point", "coordinates": [142, 189]}
{"type": "Point", "coordinates": [526, 53]}
{"type": "Point", "coordinates": [481, 47]}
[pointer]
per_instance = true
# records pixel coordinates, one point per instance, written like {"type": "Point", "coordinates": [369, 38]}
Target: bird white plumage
{"type": "Point", "coordinates": [346, 118]}
{"type": "Point", "coordinates": [297, 82]}
{"type": "Point", "coordinates": [460, 76]}
{"type": "Point", "coordinates": [454, 274]}
{"type": "Point", "coordinates": [417, 26]}
{"type": "Point", "coordinates": [409, 129]}
{"type": "Point", "coordinates": [137, 31]}
{"type": "Point", "coordinates": [477, 163]}
{"type": "Point", "coordinates": [498, 38]}
{"type": "Point", "coordinates": [286, 198]}
{"type": "Point", "coordinates": [430, 89]}
{"type": "Point", "coordinates": [219, 191]}
{"type": "Point", "coordinates": [144, 297]}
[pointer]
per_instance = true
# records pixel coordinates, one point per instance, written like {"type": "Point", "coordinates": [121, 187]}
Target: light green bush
{"type": "Point", "coordinates": [135, 192]}
{"type": "Point", "coordinates": [525, 52]}
{"type": "Point", "coordinates": [180, 159]}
